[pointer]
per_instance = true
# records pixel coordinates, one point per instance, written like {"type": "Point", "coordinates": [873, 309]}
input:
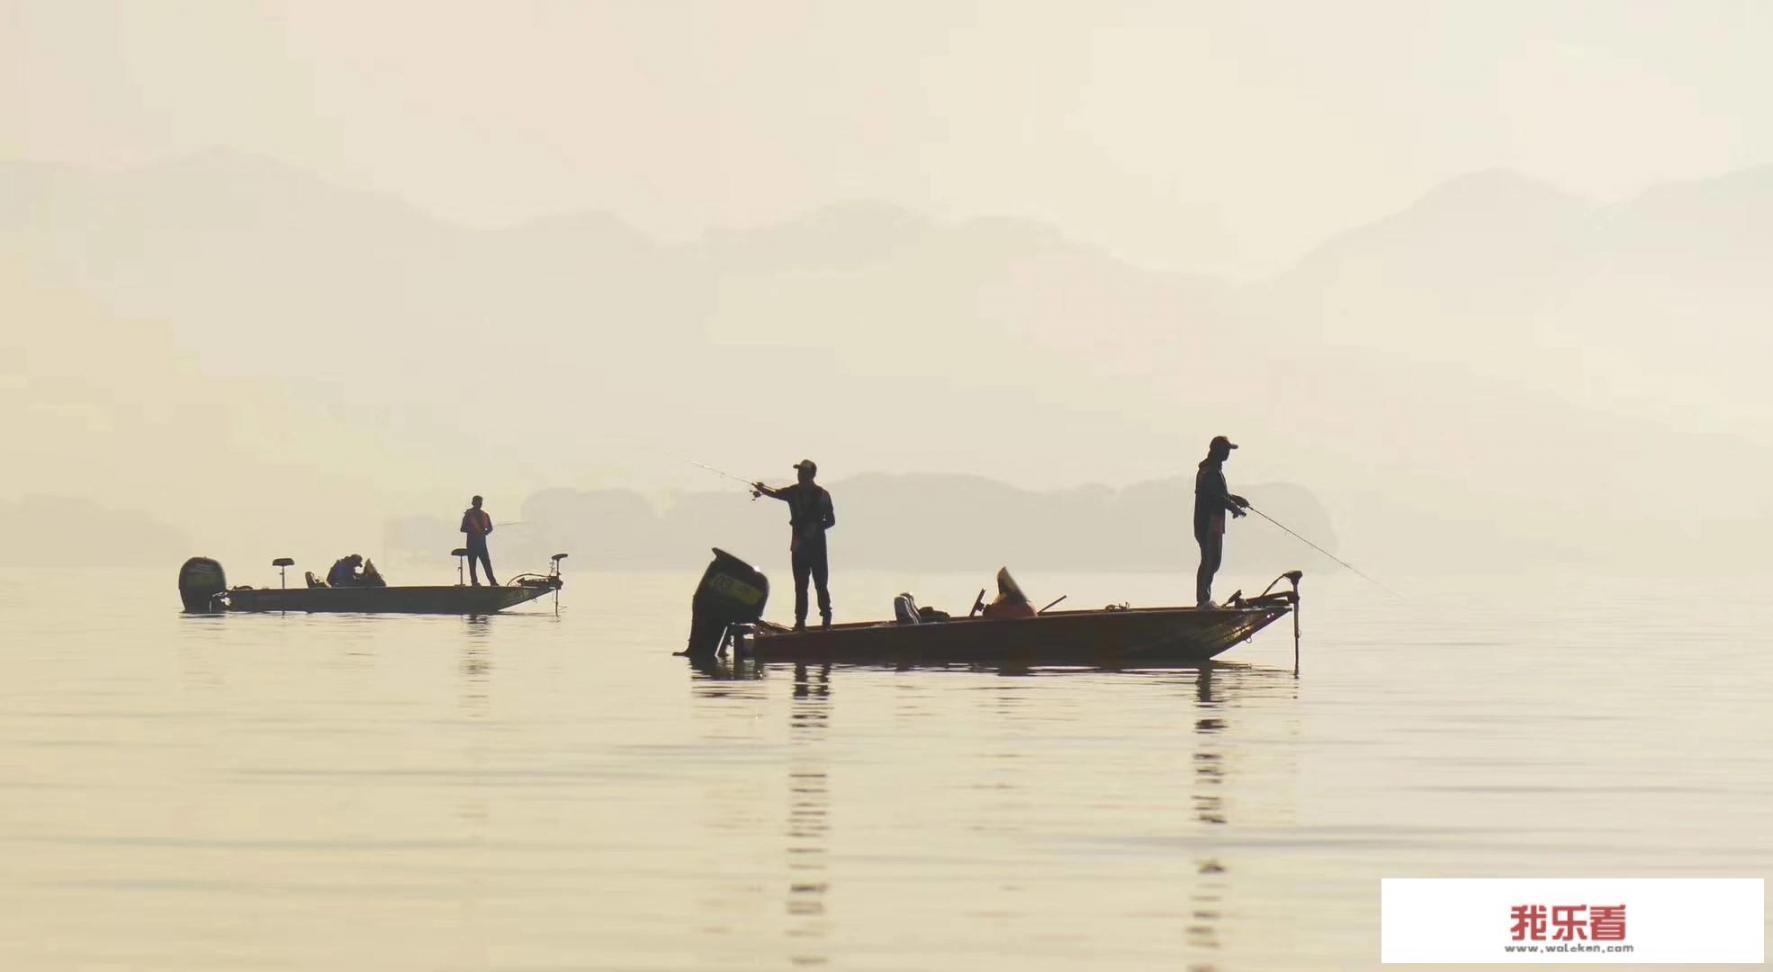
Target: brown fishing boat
{"type": "Point", "coordinates": [728, 607]}
{"type": "Point", "coordinates": [204, 589]}
{"type": "Point", "coordinates": [1118, 638]}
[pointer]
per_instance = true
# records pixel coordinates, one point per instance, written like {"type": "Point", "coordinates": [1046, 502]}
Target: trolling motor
{"type": "Point", "coordinates": [731, 592]}
{"type": "Point", "coordinates": [1292, 598]}
{"type": "Point", "coordinates": [283, 564]}
{"type": "Point", "coordinates": [554, 578]}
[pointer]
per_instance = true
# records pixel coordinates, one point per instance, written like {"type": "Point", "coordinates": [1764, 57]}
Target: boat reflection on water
{"type": "Point", "coordinates": [477, 667]}
{"type": "Point", "coordinates": [809, 815]}
{"type": "Point", "coordinates": [723, 668]}
{"type": "Point", "coordinates": [1208, 894]}
{"type": "Point", "coordinates": [1225, 803]}
{"type": "Point", "coordinates": [1219, 783]}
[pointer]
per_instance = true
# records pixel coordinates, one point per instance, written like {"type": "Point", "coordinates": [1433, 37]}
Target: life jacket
{"type": "Point", "coordinates": [809, 514]}
{"type": "Point", "coordinates": [476, 523]}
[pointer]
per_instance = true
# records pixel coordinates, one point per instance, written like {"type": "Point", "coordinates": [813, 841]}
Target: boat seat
{"type": "Point", "coordinates": [283, 562]}
{"type": "Point", "coordinates": [459, 552]}
{"type": "Point", "coordinates": [905, 610]}
{"type": "Point", "coordinates": [312, 580]}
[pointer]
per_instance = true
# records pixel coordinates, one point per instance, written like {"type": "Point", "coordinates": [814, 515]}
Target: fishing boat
{"type": "Point", "coordinates": [1111, 638]}
{"type": "Point", "coordinates": [204, 589]}
{"type": "Point", "coordinates": [728, 607]}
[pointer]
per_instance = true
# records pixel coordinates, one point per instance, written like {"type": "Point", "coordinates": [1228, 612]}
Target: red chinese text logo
{"type": "Point", "coordinates": [1567, 923]}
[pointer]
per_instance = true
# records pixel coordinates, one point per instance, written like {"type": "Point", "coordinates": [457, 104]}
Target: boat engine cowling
{"type": "Point", "coordinates": [200, 580]}
{"type": "Point", "coordinates": [731, 592]}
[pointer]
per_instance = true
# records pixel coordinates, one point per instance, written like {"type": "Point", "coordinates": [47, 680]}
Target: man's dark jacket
{"type": "Point", "coordinates": [1212, 498]}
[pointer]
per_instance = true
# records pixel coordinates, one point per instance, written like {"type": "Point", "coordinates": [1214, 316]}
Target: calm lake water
{"type": "Point", "coordinates": [542, 792]}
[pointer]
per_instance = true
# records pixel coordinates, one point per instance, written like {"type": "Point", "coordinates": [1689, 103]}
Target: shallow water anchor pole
{"type": "Point", "coordinates": [1292, 577]}
{"type": "Point", "coordinates": [283, 564]}
{"type": "Point", "coordinates": [554, 578]}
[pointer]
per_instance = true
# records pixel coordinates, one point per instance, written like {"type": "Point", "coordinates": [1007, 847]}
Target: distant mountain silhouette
{"type": "Point", "coordinates": [112, 412]}
{"type": "Point", "coordinates": [1498, 371]}
{"type": "Point", "coordinates": [1472, 263]}
{"type": "Point", "coordinates": [64, 531]}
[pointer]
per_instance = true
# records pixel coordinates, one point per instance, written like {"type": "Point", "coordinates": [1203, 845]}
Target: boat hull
{"type": "Point", "coordinates": [452, 599]}
{"type": "Point", "coordinates": [1140, 638]}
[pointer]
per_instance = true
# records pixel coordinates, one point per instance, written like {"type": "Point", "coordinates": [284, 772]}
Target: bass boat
{"type": "Point", "coordinates": [203, 587]}
{"type": "Point", "coordinates": [728, 605]}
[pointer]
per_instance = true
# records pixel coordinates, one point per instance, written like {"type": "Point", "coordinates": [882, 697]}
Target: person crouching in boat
{"type": "Point", "coordinates": [477, 523]}
{"type": "Point", "coordinates": [810, 514]}
{"type": "Point", "coordinates": [1212, 500]}
{"type": "Point", "coordinates": [344, 572]}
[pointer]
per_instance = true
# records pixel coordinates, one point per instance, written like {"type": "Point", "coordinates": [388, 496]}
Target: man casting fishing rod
{"type": "Point", "coordinates": [810, 514]}
{"type": "Point", "coordinates": [1212, 500]}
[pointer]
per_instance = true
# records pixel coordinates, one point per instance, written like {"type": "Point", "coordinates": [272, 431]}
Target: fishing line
{"type": "Point", "coordinates": [1321, 550]}
{"type": "Point", "coordinates": [721, 472]}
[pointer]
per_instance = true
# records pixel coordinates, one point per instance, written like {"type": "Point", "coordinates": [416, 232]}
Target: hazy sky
{"type": "Point", "coordinates": [1198, 135]}
{"type": "Point", "coordinates": [1478, 369]}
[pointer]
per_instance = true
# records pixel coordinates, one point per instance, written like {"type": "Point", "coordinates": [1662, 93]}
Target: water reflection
{"type": "Point", "coordinates": [601, 811]}
{"type": "Point", "coordinates": [476, 668]}
{"type": "Point", "coordinates": [1208, 765]}
{"type": "Point", "coordinates": [720, 678]}
{"type": "Point", "coordinates": [1208, 798]}
{"type": "Point", "coordinates": [1209, 758]}
{"type": "Point", "coordinates": [809, 816]}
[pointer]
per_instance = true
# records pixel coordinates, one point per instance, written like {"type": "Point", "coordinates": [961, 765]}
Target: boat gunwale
{"type": "Point", "coordinates": [770, 630]}
{"type": "Point", "coordinates": [492, 598]}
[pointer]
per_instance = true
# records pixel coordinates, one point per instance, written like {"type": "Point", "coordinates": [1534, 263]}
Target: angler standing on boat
{"type": "Point", "coordinates": [477, 523]}
{"type": "Point", "coordinates": [1212, 500]}
{"type": "Point", "coordinates": [810, 514]}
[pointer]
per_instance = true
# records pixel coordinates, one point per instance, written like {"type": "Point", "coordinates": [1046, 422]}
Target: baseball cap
{"type": "Point", "coordinates": [809, 465]}
{"type": "Point", "coordinates": [1219, 440]}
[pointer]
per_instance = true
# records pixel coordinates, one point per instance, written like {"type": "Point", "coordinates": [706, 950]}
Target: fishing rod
{"type": "Point", "coordinates": [749, 484]}
{"type": "Point", "coordinates": [1321, 550]}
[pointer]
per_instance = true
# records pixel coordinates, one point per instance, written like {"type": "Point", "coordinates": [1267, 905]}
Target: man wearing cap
{"type": "Point", "coordinates": [810, 514]}
{"type": "Point", "coordinates": [1212, 500]}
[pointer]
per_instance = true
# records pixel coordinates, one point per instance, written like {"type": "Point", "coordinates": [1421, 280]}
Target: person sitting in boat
{"type": "Point", "coordinates": [1010, 602]}
{"type": "Point", "coordinates": [344, 572]}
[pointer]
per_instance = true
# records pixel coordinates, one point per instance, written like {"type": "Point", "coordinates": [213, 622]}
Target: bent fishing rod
{"type": "Point", "coordinates": [1357, 571]}
{"type": "Point", "coordinates": [749, 484]}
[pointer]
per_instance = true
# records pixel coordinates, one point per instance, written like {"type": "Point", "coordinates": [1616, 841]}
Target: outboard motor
{"type": "Point", "coordinates": [731, 592]}
{"type": "Point", "coordinates": [200, 580]}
